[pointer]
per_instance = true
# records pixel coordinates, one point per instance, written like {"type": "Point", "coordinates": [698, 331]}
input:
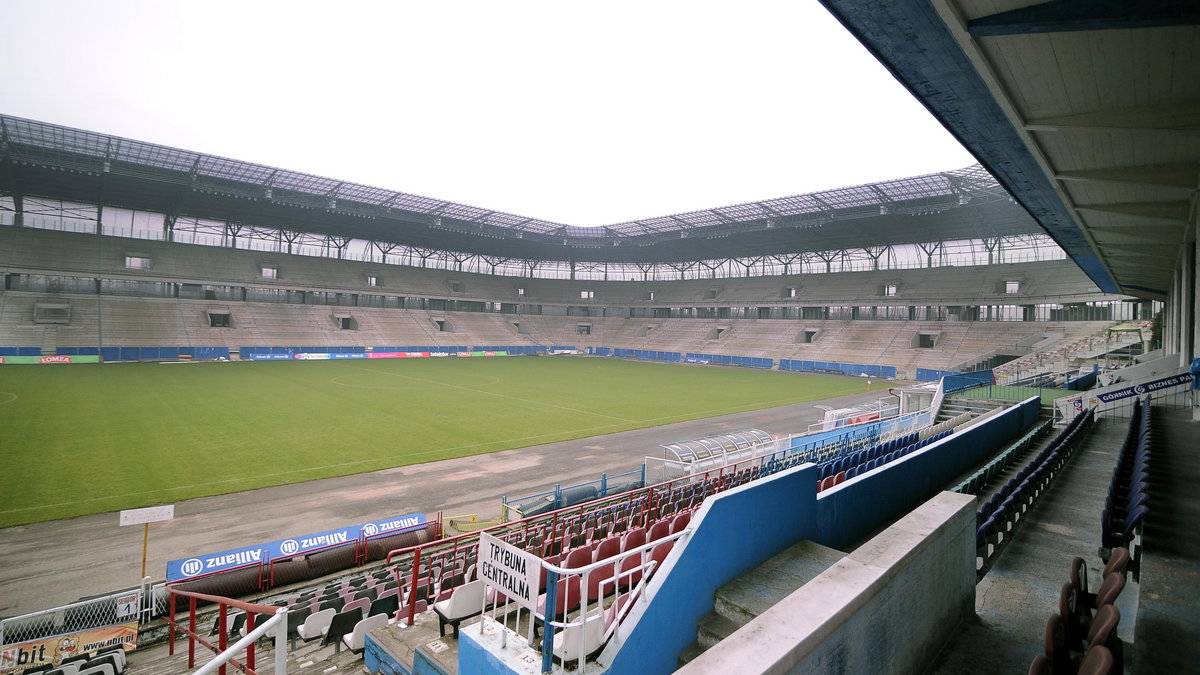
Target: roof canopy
{"type": "Point", "coordinates": [59, 162]}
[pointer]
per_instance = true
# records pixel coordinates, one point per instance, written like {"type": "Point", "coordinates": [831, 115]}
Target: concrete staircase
{"type": "Point", "coordinates": [953, 407]}
{"type": "Point", "coordinates": [50, 340]}
{"type": "Point", "coordinates": [741, 600]}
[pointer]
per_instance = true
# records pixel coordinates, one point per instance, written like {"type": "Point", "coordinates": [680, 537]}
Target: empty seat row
{"type": "Point", "coordinates": [1127, 502]}
{"type": "Point", "coordinates": [1081, 637]}
{"type": "Point", "coordinates": [845, 461]}
{"type": "Point", "coordinates": [999, 516]}
{"type": "Point", "coordinates": [873, 458]}
{"type": "Point", "coordinates": [107, 662]}
{"type": "Point", "coordinates": [978, 480]}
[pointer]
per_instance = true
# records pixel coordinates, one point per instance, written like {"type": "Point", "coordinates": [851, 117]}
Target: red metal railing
{"type": "Point", "coordinates": [546, 527]}
{"type": "Point", "coordinates": [250, 609]}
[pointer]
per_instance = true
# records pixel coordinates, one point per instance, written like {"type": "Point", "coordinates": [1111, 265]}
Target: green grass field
{"type": "Point", "coordinates": [1007, 393]}
{"type": "Point", "coordinates": [91, 438]}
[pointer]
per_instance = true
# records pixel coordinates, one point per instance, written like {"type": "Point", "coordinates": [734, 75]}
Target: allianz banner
{"type": "Point", "coordinates": [261, 554]}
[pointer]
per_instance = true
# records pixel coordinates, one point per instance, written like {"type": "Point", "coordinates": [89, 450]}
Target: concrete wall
{"type": "Point", "coordinates": [888, 607]}
{"type": "Point", "coordinates": [738, 530]}
{"type": "Point", "coordinates": [848, 512]}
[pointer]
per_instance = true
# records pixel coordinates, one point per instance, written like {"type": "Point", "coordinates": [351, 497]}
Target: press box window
{"type": "Point", "coordinates": [373, 282]}
{"type": "Point", "coordinates": [889, 290]}
{"type": "Point", "coordinates": [137, 262]}
{"type": "Point", "coordinates": [1012, 287]}
{"type": "Point", "coordinates": [270, 272]}
{"type": "Point", "coordinates": [587, 295]}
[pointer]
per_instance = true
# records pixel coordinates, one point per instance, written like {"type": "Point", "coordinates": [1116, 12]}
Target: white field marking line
{"type": "Point", "coordinates": [665, 419]}
{"type": "Point", "coordinates": [499, 395]}
{"type": "Point", "coordinates": [8, 393]}
{"type": "Point", "coordinates": [702, 414]}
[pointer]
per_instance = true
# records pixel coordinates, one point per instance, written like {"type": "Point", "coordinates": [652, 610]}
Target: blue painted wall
{"type": "Point", "coordinates": [734, 533]}
{"type": "Point", "coordinates": [378, 660]}
{"type": "Point", "coordinates": [474, 658]}
{"type": "Point", "coordinates": [851, 510]}
{"type": "Point", "coordinates": [738, 530]}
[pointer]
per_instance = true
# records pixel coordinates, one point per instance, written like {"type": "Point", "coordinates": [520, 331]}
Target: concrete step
{"type": "Point", "coordinates": [741, 600]}
{"type": "Point", "coordinates": [714, 628]}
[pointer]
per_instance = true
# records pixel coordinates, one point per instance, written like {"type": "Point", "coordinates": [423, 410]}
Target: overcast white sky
{"type": "Point", "coordinates": [580, 113]}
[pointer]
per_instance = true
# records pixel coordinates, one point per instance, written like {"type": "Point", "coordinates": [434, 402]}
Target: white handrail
{"type": "Point", "coordinates": [644, 569]}
{"type": "Point", "coordinates": [241, 645]}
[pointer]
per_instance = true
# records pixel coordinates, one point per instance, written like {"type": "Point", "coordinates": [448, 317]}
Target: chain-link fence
{"type": "Point", "coordinates": [134, 604]}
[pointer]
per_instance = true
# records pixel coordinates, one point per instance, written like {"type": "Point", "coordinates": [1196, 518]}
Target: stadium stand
{"type": "Point", "coordinates": [937, 318]}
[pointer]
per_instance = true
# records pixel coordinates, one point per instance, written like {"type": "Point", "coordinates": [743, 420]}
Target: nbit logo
{"type": "Point", "coordinates": [191, 567]}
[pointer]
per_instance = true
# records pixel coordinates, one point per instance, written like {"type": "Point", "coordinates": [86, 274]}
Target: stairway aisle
{"type": "Point", "coordinates": [738, 602]}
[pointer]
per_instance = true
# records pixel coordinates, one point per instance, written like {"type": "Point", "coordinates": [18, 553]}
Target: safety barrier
{"type": "Point", "coordinates": [550, 533]}
{"type": "Point", "coordinates": [368, 546]}
{"type": "Point", "coordinates": [572, 495]}
{"type": "Point", "coordinates": [623, 579]}
{"type": "Point", "coordinates": [225, 652]}
{"type": "Point", "coordinates": [146, 353]}
{"type": "Point", "coordinates": [837, 368]}
{"type": "Point", "coordinates": [133, 605]}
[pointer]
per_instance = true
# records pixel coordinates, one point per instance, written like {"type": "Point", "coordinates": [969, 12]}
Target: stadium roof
{"type": "Point", "coordinates": [47, 160]}
{"type": "Point", "coordinates": [1087, 112]}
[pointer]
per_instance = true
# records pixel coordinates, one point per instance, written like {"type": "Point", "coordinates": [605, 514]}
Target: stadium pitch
{"type": "Point", "coordinates": [87, 439]}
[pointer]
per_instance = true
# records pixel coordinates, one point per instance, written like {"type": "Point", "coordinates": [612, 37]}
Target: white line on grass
{"type": "Point", "coordinates": [666, 419]}
{"type": "Point", "coordinates": [9, 400]}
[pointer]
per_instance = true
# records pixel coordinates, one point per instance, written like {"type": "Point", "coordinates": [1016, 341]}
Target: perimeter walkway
{"type": "Point", "coordinates": [1160, 617]}
{"type": "Point", "coordinates": [49, 564]}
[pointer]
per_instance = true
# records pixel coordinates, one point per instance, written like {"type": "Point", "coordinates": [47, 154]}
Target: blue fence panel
{"type": "Point", "coordinates": [1081, 383]}
{"type": "Point", "coordinates": [129, 353]}
{"type": "Point", "coordinates": [89, 351]}
{"type": "Point", "coordinates": [168, 353]}
{"type": "Point", "coordinates": [67, 351]}
{"type": "Point", "coordinates": [953, 383]}
{"type": "Point", "coordinates": [9, 351]}
{"type": "Point", "coordinates": [29, 351]}
{"type": "Point", "coordinates": [110, 353]}
{"type": "Point", "coordinates": [208, 353]}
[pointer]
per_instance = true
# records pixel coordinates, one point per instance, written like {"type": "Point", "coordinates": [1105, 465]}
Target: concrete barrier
{"type": "Point", "coordinates": [887, 607]}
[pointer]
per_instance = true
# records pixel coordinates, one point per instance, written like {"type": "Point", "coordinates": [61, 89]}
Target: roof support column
{"type": "Point", "coordinates": [828, 257]}
{"type": "Point", "coordinates": [338, 243]}
{"type": "Point", "coordinates": [875, 252]}
{"type": "Point", "coordinates": [991, 245]}
{"type": "Point", "coordinates": [230, 233]}
{"type": "Point", "coordinates": [929, 249]}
